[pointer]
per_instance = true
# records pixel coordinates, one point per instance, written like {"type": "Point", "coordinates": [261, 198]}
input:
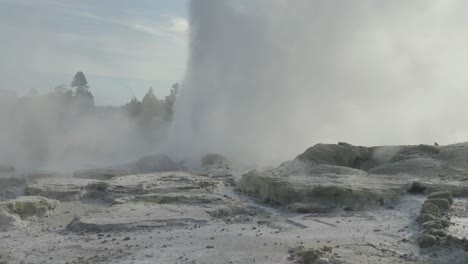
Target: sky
{"type": "Point", "coordinates": [123, 47]}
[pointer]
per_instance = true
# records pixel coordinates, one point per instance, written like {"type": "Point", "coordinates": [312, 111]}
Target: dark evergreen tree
{"type": "Point", "coordinates": [83, 96]}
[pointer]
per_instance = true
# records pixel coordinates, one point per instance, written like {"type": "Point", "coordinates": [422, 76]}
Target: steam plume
{"type": "Point", "coordinates": [268, 78]}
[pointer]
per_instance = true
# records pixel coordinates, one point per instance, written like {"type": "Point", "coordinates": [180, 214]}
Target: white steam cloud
{"type": "Point", "coordinates": [268, 78]}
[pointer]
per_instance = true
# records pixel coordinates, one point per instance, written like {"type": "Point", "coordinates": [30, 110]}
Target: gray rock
{"type": "Point", "coordinates": [417, 188]}
{"type": "Point", "coordinates": [442, 204]}
{"type": "Point", "coordinates": [425, 218]}
{"type": "Point", "coordinates": [432, 225]}
{"type": "Point", "coordinates": [5, 257]}
{"type": "Point", "coordinates": [442, 195]}
{"type": "Point", "coordinates": [322, 261]}
{"type": "Point", "coordinates": [419, 151]}
{"type": "Point", "coordinates": [426, 241]}
{"type": "Point", "coordinates": [318, 187]}
{"type": "Point", "coordinates": [9, 220]}
{"type": "Point", "coordinates": [437, 232]}
{"type": "Point", "coordinates": [341, 154]}
{"type": "Point", "coordinates": [30, 207]}
{"type": "Point", "coordinates": [429, 208]}
{"type": "Point", "coordinates": [62, 188]}
{"type": "Point", "coordinates": [310, 256]}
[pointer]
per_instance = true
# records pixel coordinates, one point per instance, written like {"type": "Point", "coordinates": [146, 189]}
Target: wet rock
{"type": "Point", "coordinates": [30, 207]}
{"type": "Point", "coordinates": [101, 174]}
{"type": "Point", "coordinates": [426, 241]}
{"type": "Point", "coordinates": [442, 204]}
{"type": "Point", "coordinates": [417, 188]}
{"type": "Point", "coordinates": [213, 159]}
{"type": "Point", "coordinates": [442, 195]}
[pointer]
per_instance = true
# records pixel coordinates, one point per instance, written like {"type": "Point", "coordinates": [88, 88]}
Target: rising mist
{"type": "Point", "coordinates": [266, 79]}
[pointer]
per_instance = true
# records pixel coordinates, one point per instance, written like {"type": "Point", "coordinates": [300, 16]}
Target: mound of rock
{"type": "Point", "coordinates": [341, 154]}
{"type": "Point", "coordinates": [62, 189]}
{"type": "Point", "coordinates": [30, 207]}
{"type": "Point", "coordinates": [412, 152]}
{"type": "Point", "coordinates": [318, 188]}
{"type": "Point", "coordinates": [355, 177]}
{"type": "Point", "coordinates": [9, 220]}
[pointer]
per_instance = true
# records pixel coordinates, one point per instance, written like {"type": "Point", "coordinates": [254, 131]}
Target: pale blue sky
{"type": "Point", "coordinates": [122, 46]}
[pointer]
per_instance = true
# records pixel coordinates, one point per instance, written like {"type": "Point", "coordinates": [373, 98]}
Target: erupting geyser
{"type": "Point", "coordinates": [266, 79]}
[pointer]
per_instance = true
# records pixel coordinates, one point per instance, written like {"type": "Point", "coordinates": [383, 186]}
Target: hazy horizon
{"type": "Point", "coordinates": [261, 81]}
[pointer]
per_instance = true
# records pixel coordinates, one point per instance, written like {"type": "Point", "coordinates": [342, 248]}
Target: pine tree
{"type": "Point", "coordinates": [80, 84]}
{"type": "Point", "coordinates": [82, 94]}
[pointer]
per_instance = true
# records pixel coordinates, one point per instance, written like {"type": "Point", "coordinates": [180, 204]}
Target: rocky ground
{"type": "Point", "coordinates": [334, 203]}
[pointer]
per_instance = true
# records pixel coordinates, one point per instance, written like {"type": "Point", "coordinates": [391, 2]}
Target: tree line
{"type": "Point", "coordinates": [79, 96]}
{"type": "Point", "coordinates": [66, 127]}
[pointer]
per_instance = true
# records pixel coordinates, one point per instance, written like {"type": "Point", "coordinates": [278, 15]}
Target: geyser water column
{"type": "Point", "coordinates": [268, 78]}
